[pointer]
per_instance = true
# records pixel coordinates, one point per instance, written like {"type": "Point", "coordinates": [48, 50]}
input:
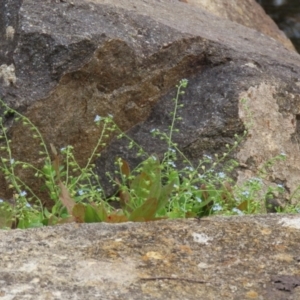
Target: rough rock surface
{"type": "Point", "coordinates": [64, 62]}
{"type": "Point", "coordinates": [236, 258]}
{"type": "Point", "coordinates": [248, 13]}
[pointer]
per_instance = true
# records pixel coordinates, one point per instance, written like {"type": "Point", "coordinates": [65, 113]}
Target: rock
{"type": "Point", "coordinates": [286, 15]}
{"type": "Point", "coordinates": [247, 257]}
{"type": "Point", "coordinates": [74, 60]}
{"type": "Point", "coordinates": [248, 13]}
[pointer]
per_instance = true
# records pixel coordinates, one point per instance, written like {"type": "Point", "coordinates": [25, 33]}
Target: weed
{"type": "Point", "coordinates": [153, 190]}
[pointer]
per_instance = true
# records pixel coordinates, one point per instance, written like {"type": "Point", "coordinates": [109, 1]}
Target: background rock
{"type": "Point", "coordinates": [244, 257]}
{"type": "Point", "coordinates": [247, 13]}
{"type": "Point", "coordinates": [286, 14]}
{"type": "Point", "coordinates": [75, 60]}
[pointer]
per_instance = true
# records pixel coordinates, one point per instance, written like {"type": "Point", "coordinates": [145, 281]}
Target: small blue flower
{"type": "Point", "coordinates": [62, 149]}
{"type": "Point", "coordinates": [236, 210]}
{"type": "Point", "coordinates": [110, 116]}
{"type": "Point", "coordinates": [280, 186]}
{"type": "Point", "coordinates": [283, 154]}
{"type": "Point", "coordinates": [207, 156]}
{"type": "Point", "coordinates": [23, 194]}
{"type": "Point", "coordinates": [198, 199]}
{"type": "Point", "coordinates": [171, 163]}
{"type": "Point", "coordinates": [12, 161]}
{"type": "Point", "coordinates": [217, 207]}
{"type": "Point", "coordinates": [256, 180]}
{"type": "Point", "coordinates": [246, 194]}
{"type": "Point", "coordinates": [152, 130]}
{"type": "Point", "coordinates": [97, 118]}
{"type": "Point", "coordinates": [191, 169]}
{"type": "Point", "coordinates": [1, 201]}
{"type": "Point", "coordinates": [28, 205]}
{"type": "Point", "coordinates": [80, 192]}
{"type": "Point", "coordinates": [222, 175]}
{"type": "Point", "coordinates": [99, 190]}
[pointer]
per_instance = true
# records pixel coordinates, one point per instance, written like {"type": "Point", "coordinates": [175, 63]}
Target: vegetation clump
{"type": "Point", "coordinates": [155, 189]}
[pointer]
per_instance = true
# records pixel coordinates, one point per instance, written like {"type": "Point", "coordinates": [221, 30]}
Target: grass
{"type": "Point", "coordinates": [155, 189]}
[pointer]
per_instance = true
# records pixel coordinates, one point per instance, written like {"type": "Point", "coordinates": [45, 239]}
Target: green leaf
{"type": "Point", "coordinates": [6, 216]}
{"type": "Point", "coordinates": [23, 223]}
{"type": "Point", "coordinates": [148, 183]}
{"type": "Point", "coordinates": [173, 177]}
{"type": "Point", "coordinates": [66, 198]}
{"type": "Point", "coordinates": [47, 213]}
{"type": "Point", "coordinates": [91, 215]}
{"type": "Point", "coordinates": [78, 212]}
{"type": "Point", "coordinates": [155, 188]}
{"type": "Point", "coordinates": [101, 211]}
{"type": "Point", "coordinates": [124, 197]}
{"type": "Point", "coordinates": [243, 206]}
{"type": "Point", "coordinates": [164, 195]}
{"type": "Point", "coordinates": [141, 185]}
{"type": "Point", "coordinates": [35, 224]}
{"type": "Point", "coordinates": [205, 204]}
{"type": "Point", "coordinates": [145, 212]}
{"type": "Point", "coordinates": [116, 218]}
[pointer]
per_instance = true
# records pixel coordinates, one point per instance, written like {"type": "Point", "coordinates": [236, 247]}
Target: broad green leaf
{"type": "Point", "coordinates": [101, 211]}
{"type": "Point", "coordinates": [116, 218]}
{"type": "Point", "coordinates": [91, 215]}
{"type": "Point", "coordinates": [125, 200]}
{"type": "Point", "coordinates": [190, 214]}
{"type": "Point", "coordinates": [151, 164]}
{"type": "Point", "coordinates": [66, 198]}
{"type": "Point", "coordinates": [51, 220]}
{"type": "Point", "coordinates": [35, 225]}
{"type": "Point", "coordinates": [22, 224]}
{"type": "Point", "coordinates": [47, 213]}
{"type": "Point", "coordinates": [124, 197]}
{"type": "Point", "coordinates": [69, 219]}
{"type": "Point", "coordinates": [243, 206]}
{"type": "Point", "coordinates": [145, 212]}
{"type": "Point", "coordinates": [205, 194]}
{"type": "Point", "coordinates": [164, 195]}
{"type": "Point", "coordinates": [155, 188]}
{"type": "Point", "coordinates": [205, 204]}
{"type": "Point", "coordinates": [78, 212]}
{"type": "Point", "coordinates": [141, 185]}
{"type": "Point", "coordinates": [148, 183]}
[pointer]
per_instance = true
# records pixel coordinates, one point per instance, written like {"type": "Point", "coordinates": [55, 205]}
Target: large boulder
{"type": "Point", "coordinates": [248, 13]}
{"type": "Point", "coordinates": [64, 62]}
{"type": "Point", "coordinates": [254, 257]}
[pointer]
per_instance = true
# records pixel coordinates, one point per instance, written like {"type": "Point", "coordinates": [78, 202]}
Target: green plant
{"type": "Point", "coordinates": [57, 176]}
{"type": "Point", "coordinates": [155, 189]}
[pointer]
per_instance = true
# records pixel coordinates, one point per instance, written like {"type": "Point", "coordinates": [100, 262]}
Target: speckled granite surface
{"type": "Point", "coordinates": [255, 257]}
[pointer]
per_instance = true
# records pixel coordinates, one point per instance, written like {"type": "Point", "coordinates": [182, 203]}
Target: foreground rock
{"type": "Point", "coordinates": [253, 257]}
{"type": "Point", "coordinates": [64, 62]}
